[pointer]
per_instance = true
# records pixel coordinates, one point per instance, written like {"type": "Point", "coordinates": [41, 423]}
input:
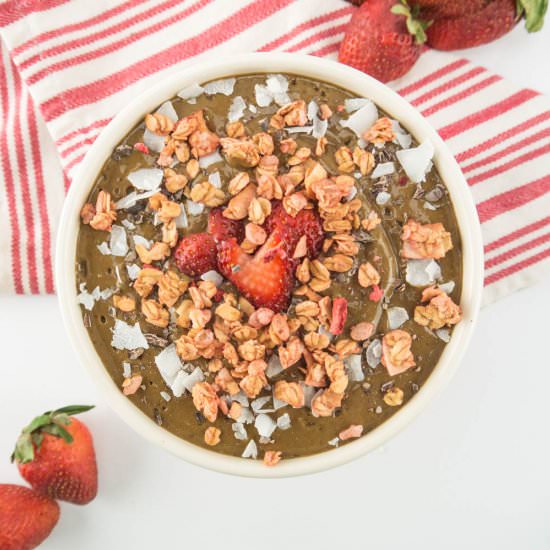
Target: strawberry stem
{"type": "Point", "coordinates": [51, 422]}
{"type": "Point", "coordinates": [417, 27]}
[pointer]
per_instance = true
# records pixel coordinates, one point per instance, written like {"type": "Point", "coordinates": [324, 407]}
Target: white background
{"type": "Point", "coordinates": [472, 472]}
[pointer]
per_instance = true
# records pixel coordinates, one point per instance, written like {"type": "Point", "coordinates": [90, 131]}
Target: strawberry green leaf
{"type": "Point", "coordinates": [73, 409]}
{"type": "Point", "coordinates": [24, 450]}
{"type": "Point", "coordinates": [534, 12]}
{"type": "Point", "coordinates": [37, 423]}
{"type": "Point", "coordinates": [51, 422]}
{"type": "Point", "coordinates": [58, 431]}
{"type": "Point", "coordinates": [37, 438]}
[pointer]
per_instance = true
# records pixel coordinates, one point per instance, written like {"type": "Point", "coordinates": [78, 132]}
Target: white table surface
{"type": "Point", "coordinates": [471, 472]}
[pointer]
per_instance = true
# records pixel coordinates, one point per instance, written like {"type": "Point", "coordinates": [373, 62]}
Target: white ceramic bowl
{"type": "Point", "coordinates": [324, 70]}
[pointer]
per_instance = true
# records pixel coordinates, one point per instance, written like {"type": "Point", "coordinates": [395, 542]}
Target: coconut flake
{"type": "Point", "coordinates": [264, 425]}
{"type": "Point", "coordinates": [312, 110]}
{"type": "Point", "coordinates": [252, 108]}
{"type": "Point", "coordinates": [106, 293]}
{"type": "Point", "coordinates": [118, 241]}
{"type": "Point", "coordinates": [417, 161]}
{"type": "Point", "coordinates": [133, 271]}
{"type": "Point", "coordinates": [138, 239]}
{"type": "Point", "coordinates": [246, 417]}
{"type": "Point", "coordinates": [383, 169]}
{"type": "Point", "coordinates": [274, 366]}
{"type": "Point", "coordinates": [283, 422]}
{"type": "Point", "coordinates": [128, 225]}
{"type": "Point", "coordinates": [353, 191]}
{"type": "Point", "coordinates": [117, 273]}
{"type": "Point", "coordinates": [263, 95]}
{"type": "Point", "coordinates": [185, 381]}
{"type": "Point", "coordinates": [224, 86]}
{"type": "Point", "coordinates": [258, 403]}
{"type": "Point", "coordinates": [192, 91]}
{"type": "Point", "coordinates": [362, 119]}
{"type": "Point", "coordinates": [422, 272]}
{"type": "Point", "coordinates": [239, 431]}
{"type": "Point", "coordinates": [355, 369]}
{"type": "Point", "coordinates": [167, 109]}
{"type": "Point", "coordinates": [215, 179]}
{"type": "Point", "coordinates": [334, 442]}
{"type": "Point", "coordinates": [181, 221]}
{"type": "Point", "coordinates": [382, 198]}
{"type": "Point", "coordinates": [128, 337]}
{"type": "Point", "coordinates": [403, 138]}
{"type": "Point", "coordinates": [320, 127]}
{"type": "Point", "coordinates": [240, 398]}
{"type": "Point", "coordinates": [299, 129]}
{"type": "Point", "coordinates": [325, 332]}
{"type": "Point", "coordinates": [195, 208]}
{"type": "Point", "coordinates": [447, 287]}
{"type": "Point", "coordinates": [278, 404]}
{"type": "Point", "coordinates": [429, 206]}
{"type": "Point", "coordinates": [213, 277]}
{"type": "Point", "coordinates": [236, 110]}
{"type": "Point", "coordinates": [146, 179]}
{"type": "Point", "coordinates": [85, 298]}
{"type": "Point", "coordinates": [251, 450]}
{"type": "Point", "coordinates": [355, 103]}
{"type": "Point", "coordinates": [206, 161]}
{"type": "Point", "coordinates": [126, 369]}
{"type": "Point", "coordinates": [396, 317]}
{"type": "Point", "coordinates": [132, 198]}
{"type": "Point", "coordinates": [169, 364]}
{"type": "Point", "coordinates": [444, 334]}
{"type": "Point", "coordinates": [374, 353]}
{"type": "Point", "coordinates": [277, 84]}
{"type": "Point", "coordinates": [153, 141]}
{"type": "Point", "coordinates": [165, 395]}
{"type": "Point", "coordinates": [194, 378]}
{"type": "Point", "coordinates": [178, 385]}
{"type": "Point", "coordinates": [104, 248]}
{"type": "Point", "coordinates": [275, 89]}
{"type": "Point", "coordinates": [433, 270]}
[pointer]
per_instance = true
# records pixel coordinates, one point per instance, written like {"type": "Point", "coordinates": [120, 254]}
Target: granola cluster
{"type": "Point", "coordinates": [299, 355]}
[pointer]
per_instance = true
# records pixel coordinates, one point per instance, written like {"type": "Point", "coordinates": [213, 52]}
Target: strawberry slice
{"type": "Point", "coordinates": [266, 279]}
{"type": "Point", "coordinates": [223, 228]}
{"type": "Point", "coordinates": [196, 254]}
{"type": "Point", "coordinates": [306, 222]}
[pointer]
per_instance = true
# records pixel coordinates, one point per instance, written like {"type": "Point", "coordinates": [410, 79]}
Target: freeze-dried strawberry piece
{"type": "Point", "coordinates": [339, 315]}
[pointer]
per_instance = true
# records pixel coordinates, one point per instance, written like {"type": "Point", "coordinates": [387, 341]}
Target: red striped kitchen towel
{"type": "Point", "coordinates": [67, 66]}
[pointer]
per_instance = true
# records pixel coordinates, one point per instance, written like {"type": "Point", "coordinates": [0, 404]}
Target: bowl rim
{"type": "Point", "coordinates": [319, 69]}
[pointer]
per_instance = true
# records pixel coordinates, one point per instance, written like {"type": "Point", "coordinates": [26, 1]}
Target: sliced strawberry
{"type": "Point", "coordinates": [223, 228]}
{"type": "Point", "coordinates": [265, 279]}
{"type": "Point", "coordinates": [307, 222]}
{"type": "Point", "coordinates": [196, 254]}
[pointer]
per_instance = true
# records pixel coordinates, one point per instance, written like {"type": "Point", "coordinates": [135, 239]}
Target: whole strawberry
{"type": "Point", "coordinates": [383, 39]}
{"type": "Point", "coordinates": [26, 517]}
{"type": "Point", "coordinates": [55, 454]}
{"type": "Point", "coordinates": [448, 8]}
{"type": "Point", "coordinates": [474, 28]}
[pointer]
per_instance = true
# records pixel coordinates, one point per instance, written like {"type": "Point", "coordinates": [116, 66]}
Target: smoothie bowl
{"type": "Point", "coordinates": [269, 265]}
